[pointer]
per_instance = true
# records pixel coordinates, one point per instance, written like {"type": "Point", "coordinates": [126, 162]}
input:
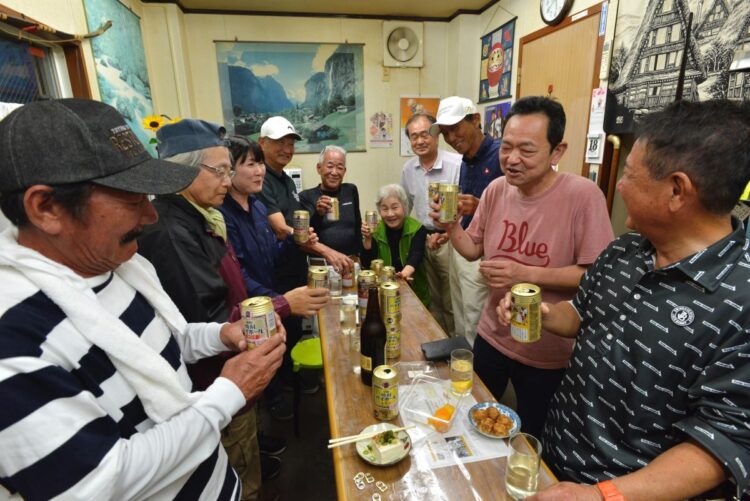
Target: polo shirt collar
{"type": "Point", "coordinates": [438, 165]}
{"type": "Point", "coordinates": [709, 266]}
{"type": "Point", "coordinates": [484, 148]}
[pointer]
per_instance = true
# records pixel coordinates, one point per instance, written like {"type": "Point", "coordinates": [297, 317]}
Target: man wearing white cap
{"type": "Point", "coordinates": [460, 124]}
{"type": "Point", "coordinates": [279, 195]}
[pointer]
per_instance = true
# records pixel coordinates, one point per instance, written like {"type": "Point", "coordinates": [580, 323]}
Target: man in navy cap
{"type": "Point", "coordinates": [95, 391]}
{"type": "Point", "coordinates": [199, 270]}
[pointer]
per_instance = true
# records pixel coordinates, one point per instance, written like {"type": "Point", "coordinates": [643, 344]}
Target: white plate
{"type": "Point", "coordinates": [365, 452]}
{"type": "Point", "coordinates": [507, 411]}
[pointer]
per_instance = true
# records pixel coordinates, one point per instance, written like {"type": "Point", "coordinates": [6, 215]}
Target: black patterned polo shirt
{"type": "Point", "coordinates": [660, 354]}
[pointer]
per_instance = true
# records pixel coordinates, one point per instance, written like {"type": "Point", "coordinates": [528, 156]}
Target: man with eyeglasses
{"type": "Point", "coordinates": [460, 123]}
{"type": "Point", "coordinates": [431, 165]}
{"type": "Point", "coordinates": [198, 269]}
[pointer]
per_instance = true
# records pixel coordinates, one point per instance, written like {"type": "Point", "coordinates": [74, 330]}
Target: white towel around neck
{"type": "Point", "coordinates": [153, 379]}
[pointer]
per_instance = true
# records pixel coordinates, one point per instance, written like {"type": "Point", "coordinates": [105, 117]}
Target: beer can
{"type": "Point", "coordinates": [301, 224]}
{"type": "Point", "coordinates": [448, 202]}
{"type": "Point", "coordinates": [392, 336]}
{"type": "Point", "coordinates": [433, 190]}
{"type": "Point", "coordinates": [371, 217]}
{"type": "Point", "coordinates": [317, 276]}
{"type": "Point", "coordinates": [385, 392]}
{"type": "Point", "coordinates": [390, 303]}
{"type": "Point", "coordinates": [526, 315]}
{"type": "Point", "coordinates": [376, 265]}
{"type": "Point", "coordinates": [388, 274]}
{"type": "Point", "coordinates": [333, 214]}
{"type": "Point", "coordinates": [365, 279]}
{"type": "Point", "coordinates": [258, 320]}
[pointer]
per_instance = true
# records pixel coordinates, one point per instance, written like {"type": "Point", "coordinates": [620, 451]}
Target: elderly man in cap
{"type": "Point", "coordinates": [198, 268]}
{"type": "Point", "coordinates": [279, 195]}
{"type": "Point", "coordinates": [460, 124]}
{"type": "Point", "coordinates": [95, 391]}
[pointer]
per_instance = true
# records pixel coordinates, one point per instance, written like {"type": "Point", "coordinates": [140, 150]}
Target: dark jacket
{"type": "Point", "coordinates": [255, 244]}
{"type": "Point", "coordinates": [188, 259]}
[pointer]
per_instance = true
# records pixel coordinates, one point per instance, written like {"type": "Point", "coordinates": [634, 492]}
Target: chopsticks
{"type": "Point", "coordinates": [335, 442]}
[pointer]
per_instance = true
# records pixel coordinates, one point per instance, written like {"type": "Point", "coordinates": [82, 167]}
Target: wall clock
{"type": "Point", "coordinates": [554, 11]}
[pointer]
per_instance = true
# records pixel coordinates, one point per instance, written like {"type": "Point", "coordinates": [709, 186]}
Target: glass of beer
{"type": "Point", "coordinates": [462, 371]}
{"type": "Point", "coordinates": [348, 318]}
{"type": "Point", "coordinates": [522, 470]}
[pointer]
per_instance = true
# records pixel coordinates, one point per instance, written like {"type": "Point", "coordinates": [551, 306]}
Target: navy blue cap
{"type": "Point", "coordinates": [189, 135]}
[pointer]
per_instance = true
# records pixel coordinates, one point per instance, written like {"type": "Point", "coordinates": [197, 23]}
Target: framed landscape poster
{"type": "Point", "coordinates": [120, 63]}
{"type": "Point", "coordinates": [496, 63]}
{"type": "Point", "coordinates": [317, 87]}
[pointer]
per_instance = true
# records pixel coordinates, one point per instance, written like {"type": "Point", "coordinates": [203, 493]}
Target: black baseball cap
{"type": "Point", "coordinates": [65, 141]}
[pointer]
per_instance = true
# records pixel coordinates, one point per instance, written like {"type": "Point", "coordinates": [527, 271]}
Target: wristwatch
{"type": "Point", "coordinates": [609, 490]}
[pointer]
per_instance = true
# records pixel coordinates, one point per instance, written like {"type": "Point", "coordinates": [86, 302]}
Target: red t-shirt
{"type": "Point", "coordinates": [567, 224]}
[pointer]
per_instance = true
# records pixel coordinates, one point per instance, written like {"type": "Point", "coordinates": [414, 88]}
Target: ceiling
{"type": "Point", "coordinates": [438, 10]}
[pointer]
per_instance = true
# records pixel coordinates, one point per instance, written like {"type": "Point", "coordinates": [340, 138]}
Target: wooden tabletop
{"type": "Point", "coordinates": [350, 411]}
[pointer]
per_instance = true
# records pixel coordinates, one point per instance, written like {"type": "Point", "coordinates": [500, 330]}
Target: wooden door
{"type": "Point", "coordinates": [564, 61]}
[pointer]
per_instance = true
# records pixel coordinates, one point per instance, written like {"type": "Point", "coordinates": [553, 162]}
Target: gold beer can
{"type": "Point", "coordinates": [390, 303]}
{"type": "Point", "coordinates": [392, 336]}
{"type": "Point", "coordinates": [371, 217]}
{"type": "Point", "coordinates": [448, 202]}
{"type": "Point", "coordinates": [388, 274]}
{"type": "Point", "coordinates": [258, 320]}
{"type": "Point", "coordinates": [333, 214]}
{"type": "Point", "coordinates": [376, 265]}
{"type": "Point", "coordinates": [317, 276]}
{"type": "Point", "coordinates": [433, 190]}
{"type": "Point", "coordinates": [526, 315]}
{"type": "Point", "coordinates": [301, 224]}
{"type": "Point", "coordinates": [365, 279]}
{"type": "Point", "coordinates": [385, 392]}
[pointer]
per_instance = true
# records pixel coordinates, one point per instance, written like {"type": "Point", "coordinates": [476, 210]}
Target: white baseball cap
{"type": "Point", "coordinates": [451, 111]}
{"type": "Point", "coordinates": [278, 127]}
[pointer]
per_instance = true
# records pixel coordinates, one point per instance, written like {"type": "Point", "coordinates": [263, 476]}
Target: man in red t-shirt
{"type": "Point", "coordinates": [532, 225]}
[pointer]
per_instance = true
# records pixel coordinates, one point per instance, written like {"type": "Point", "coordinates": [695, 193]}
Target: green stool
{"type": "Point", "coordinates": [306, 354]}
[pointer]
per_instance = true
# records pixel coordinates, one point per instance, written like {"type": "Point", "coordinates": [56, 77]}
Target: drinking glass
{"type": "Point", "coordinates": [462, 371]}
{"type": "Point", "coordinates": [522, 470]}
{"type": "Point", "coordinates": [335, 284]}
{"type": "Point", "coordinates": [348, 318]}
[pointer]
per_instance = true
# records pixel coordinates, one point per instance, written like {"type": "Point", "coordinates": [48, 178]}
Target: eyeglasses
{"type": "Point", "coordinates": [218, 171]}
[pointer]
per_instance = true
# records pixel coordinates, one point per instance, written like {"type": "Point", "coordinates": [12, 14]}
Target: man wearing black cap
{"type": "Point", "coordinates": [95, 391]}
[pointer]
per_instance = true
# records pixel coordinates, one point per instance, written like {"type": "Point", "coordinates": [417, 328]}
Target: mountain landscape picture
{"type": "Point", "coordinates": [120, 63]}
{"type": "Point", "coordinates": [317, 87]}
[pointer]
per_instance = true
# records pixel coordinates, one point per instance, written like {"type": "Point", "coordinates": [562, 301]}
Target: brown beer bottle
{"type": "Point", "coordinates": [371, 338]}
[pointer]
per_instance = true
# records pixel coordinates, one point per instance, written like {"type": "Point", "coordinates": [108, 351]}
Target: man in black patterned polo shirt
{"type": "Point", "coordinates": [655, 402]}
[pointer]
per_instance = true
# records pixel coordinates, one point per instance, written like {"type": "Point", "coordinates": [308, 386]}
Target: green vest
{"type": "Point", "coordinates": [410, 228]}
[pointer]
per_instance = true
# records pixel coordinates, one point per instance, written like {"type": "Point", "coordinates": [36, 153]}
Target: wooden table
{"type": "Point", "coordinates": [350, 411]}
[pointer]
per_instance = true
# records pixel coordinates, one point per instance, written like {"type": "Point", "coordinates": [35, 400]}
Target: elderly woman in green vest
{"type": "Point", "coordinates": [399, 240]}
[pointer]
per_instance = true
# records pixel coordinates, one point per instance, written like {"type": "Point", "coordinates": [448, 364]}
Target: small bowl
{"type": "Point", "coordinates": [506, 411]}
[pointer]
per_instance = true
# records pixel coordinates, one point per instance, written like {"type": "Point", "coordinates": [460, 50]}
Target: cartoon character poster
{"type": "Point", "coordinates": [497, 63]}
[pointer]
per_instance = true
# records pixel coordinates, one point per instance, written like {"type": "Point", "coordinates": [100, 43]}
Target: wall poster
{"type": "Point", "coordinates": [408, 107]}
{"type": "Point", "coordinates": [120, 63]}
{"type": "Point", "coordinates": [496, 63]}
{"type": "Point", "coordinates": [319, 87]}
{"type": "Point", "coordinates": [494, 118]}
{"type": "Point", "coordinates": [648, 48]}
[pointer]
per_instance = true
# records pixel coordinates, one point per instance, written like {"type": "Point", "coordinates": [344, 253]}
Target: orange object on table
{"type": "Point", "coordinates": [445, 413]}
